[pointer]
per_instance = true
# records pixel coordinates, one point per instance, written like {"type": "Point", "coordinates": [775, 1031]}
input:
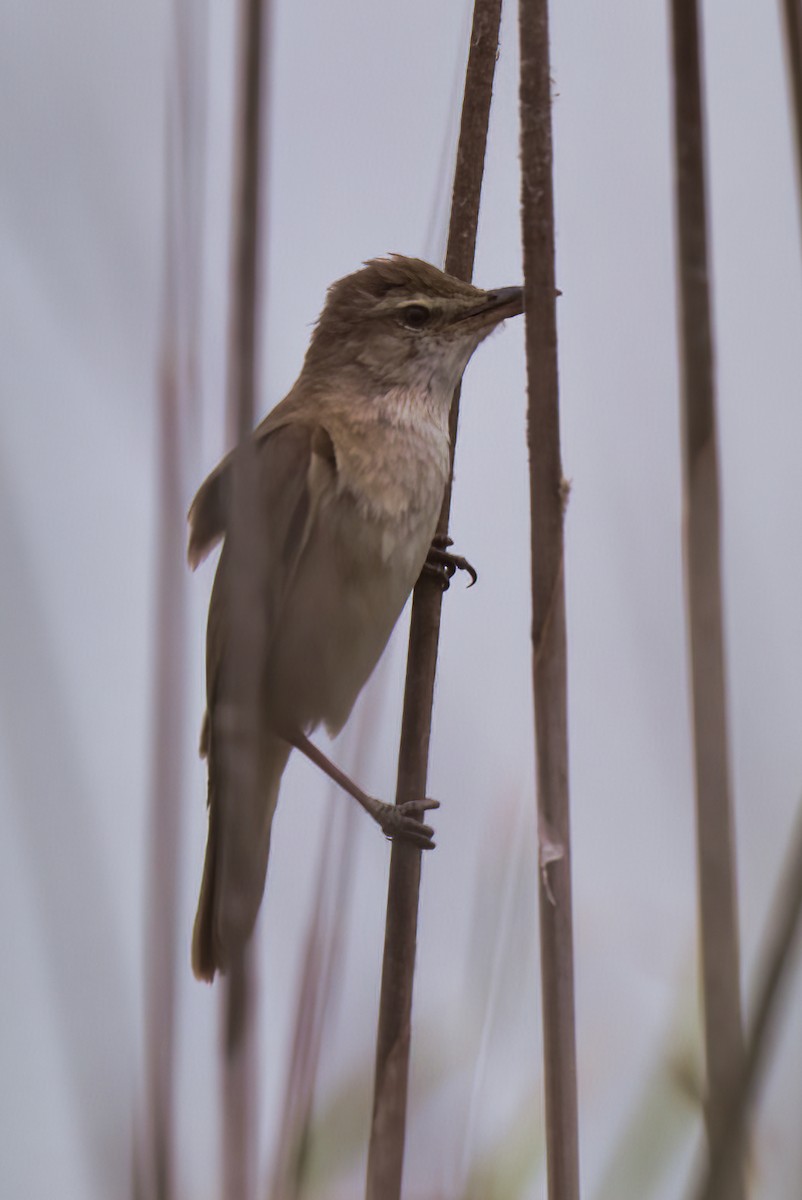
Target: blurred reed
{"type": "Point", "coordinates": [717, 885]}
{"type": "Point", "coordinates": [792, 16]}
{"type": "Point", "coordinates": [249, 212]}
{"type": "Point", "coordinates": [246, 652]}
{"type": "Point", "coordinates": [155, 1166]}
{"type": "Point", "coordinates": [779, 943]}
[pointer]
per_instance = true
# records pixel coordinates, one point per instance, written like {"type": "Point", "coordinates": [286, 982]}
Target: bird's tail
{"type": "Point", "coordinates": [237, 851]}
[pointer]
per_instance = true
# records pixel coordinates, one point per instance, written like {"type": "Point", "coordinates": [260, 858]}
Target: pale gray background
{"type": "Point", "coordinates": [364, 109]}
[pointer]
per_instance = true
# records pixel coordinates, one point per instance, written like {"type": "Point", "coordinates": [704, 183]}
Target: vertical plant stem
{"type": "Point", "coordinates": [792, 13]}
{"type": "Point", "coordinates": [714, 825]}
{"type": "Point", "coordinates": [549, 666]}
{"type": "Point", "coordinates": [176, 373]}
{"type": "Point", "coordinates": [386, 1149]}
{"type": "Point", "coordinates": [787, 910]}
{"type": "Point", "coordinates": [243, 365]}
{"type": "Point", "coordinates": [240, 773]}
{"type": "Point", "coordinates": [166, 786]}
{"type": "Point", "coordinates": [239, 1090]}
{"type": "Point", "coordinates": [778, 947]}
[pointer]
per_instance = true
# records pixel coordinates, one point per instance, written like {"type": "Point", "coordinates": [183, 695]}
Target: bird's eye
{"type": "Point", "coordinates": [415, 316]}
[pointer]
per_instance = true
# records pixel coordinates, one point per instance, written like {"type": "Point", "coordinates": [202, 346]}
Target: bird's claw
{"type": "Point", "coordinates": [402, 822]}
{"type": "Point", "coordinates": [443, 565]}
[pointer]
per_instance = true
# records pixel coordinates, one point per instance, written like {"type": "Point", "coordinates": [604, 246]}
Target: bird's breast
{"type": "Point", "coordinates": [395, 470]}
{"type": "Point", "coordinates": [367, 544]}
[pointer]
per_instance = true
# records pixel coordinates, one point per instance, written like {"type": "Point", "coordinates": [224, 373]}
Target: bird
{"type": "Point", "coordinates": [328, 514]}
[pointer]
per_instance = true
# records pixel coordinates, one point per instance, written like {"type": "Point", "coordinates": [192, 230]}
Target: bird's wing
{"type": "Point", "coordinates": [290, 467]}
{"type": "Point", "coordinates": [285, 472]}
{"type": "Point", "coordinates": [210, 510]}
{"type": "Point", "coordinates": [208, 513]}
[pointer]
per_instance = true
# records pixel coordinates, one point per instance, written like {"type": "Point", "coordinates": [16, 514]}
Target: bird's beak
{"type": "Point", "coordinates": [495, 307]}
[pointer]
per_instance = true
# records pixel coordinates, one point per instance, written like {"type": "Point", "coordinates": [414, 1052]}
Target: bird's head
{"type": "Point", "coordinates": [404, 323]}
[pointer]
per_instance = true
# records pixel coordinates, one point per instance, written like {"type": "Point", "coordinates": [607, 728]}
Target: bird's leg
{"type": "Point", "coordinates": [442, 564]}
{"type": "Point", "coordinates": [396, 820]}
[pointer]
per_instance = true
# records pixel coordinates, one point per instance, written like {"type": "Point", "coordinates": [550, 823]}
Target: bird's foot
{"type": "Point", "coordinates": [402, 822]}
{"type": "Point", "coordinates": [443, 565]}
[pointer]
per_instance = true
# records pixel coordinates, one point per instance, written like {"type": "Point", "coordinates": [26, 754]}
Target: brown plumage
{"type": "Point", "coordinates": [346, 481]}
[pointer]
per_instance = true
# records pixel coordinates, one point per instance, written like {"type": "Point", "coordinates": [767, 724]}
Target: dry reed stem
{"type": "Point", "coordinates": [549, 666]}
{"type": "Point", "coordinates": [714, 826]}
{"type": "Point", "coordinates": [776, 958]}
{"type": "Point", "coordinates": [386, 1149]}
{"type": "Point", "coordinates": [161, 939]}
{"type": "Point", "coordinates": [238, 763]}
{"type": "Point", "coordinates": [787, 908]}
{"type": "Point", "coordinates": [792, 12]}
{"type": "Point", "coordinates": [239, 1085]}
{"type": "Point", "coordinates": [178, 347]}
{"type": "Point", "coordinates": [243, 364]}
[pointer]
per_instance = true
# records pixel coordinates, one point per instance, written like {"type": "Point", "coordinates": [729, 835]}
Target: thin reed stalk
{"type": "Point", "coordinates": [239, 1079]}
{"type": "Point", "coordinates": [792, 15]}
{"type": "Point", "coordinates": [549, 658]}
{"type": "Point", "coordinates": [388, 1126]}
{"type": "Point", "coordinates": [778, 947]}
{"type": "Point", "coordinates": [167, 778]}
{"type": "Point", "coordinates": [714, 824]}
{"type": "Point", "coordinates": [155, 1169]}
{"type": "Point", "coordinates": [243, 364]}
{"type": "Point", "coordinates": [239, 771]}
